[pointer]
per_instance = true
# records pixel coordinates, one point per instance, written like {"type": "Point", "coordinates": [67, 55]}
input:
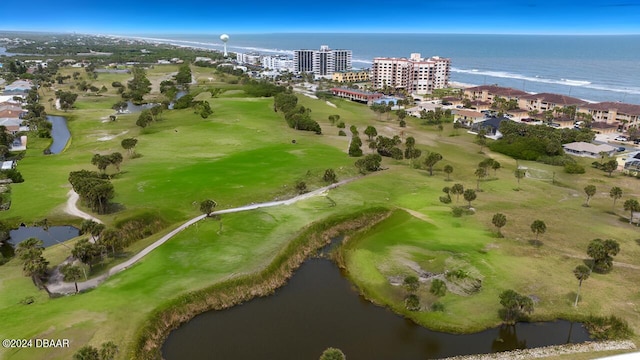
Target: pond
{"type": "Point", "coordinates": [319, 308]}
{"type": "Point", "coordinates": [59, 132]}
{"type": "Point", "coordinates": [53, 235]}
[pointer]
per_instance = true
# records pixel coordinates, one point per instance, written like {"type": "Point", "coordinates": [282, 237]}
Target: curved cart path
{"type": "Point", "coordinates": [71, 207]}
{"type": "Point", "coordinates": [56, 285]}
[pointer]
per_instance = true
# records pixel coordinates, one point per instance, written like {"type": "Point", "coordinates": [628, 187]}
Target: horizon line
{"type": "Point", "coordinates": [131, 33]}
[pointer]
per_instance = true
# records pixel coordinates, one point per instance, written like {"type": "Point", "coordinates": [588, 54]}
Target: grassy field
{"type": "Point", "coordinates": [244, 153]}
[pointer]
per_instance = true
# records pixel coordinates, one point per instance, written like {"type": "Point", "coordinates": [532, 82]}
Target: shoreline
{"type": "Point", "coordinates": [555, 350]}
{"type": "Point", "coordinates": [212, 46]}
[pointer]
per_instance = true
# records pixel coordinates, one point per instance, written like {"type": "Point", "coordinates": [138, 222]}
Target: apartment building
{"type": "Point", "coordinates": [277, 63]}
{"type": "Point", "coordinates": [351, 76]}
{"type": "Point", "coordinates": [547, 101]}
{"type": "Point", "coordinates": [416, 74]}
{"type": "Point", "coordinates": [613, 113]}
{"type": "Point", "coordinates": [323, 62]}
{"type": "Point", "coordinates": [490, 92]}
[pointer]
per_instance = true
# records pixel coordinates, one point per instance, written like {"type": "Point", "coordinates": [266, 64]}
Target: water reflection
{"type": "Point", "coordinates": [319, 308]}
{"type": "Point", "coordinates": [50, 236]}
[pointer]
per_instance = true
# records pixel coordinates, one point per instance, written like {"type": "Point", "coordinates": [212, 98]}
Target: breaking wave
{"type": "Point", "coordinates": [537, 79]}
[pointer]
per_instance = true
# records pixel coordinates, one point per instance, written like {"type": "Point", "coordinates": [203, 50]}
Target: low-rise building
{"type": "Point", "coordinates": [547, 101]}
{"type": "Point", "coordinates": [467, 117]}
{"type": "Point", "coordinates": [356, 95]}
{"type": "Point", "coordinates": [586, 149]}
{"type": "Point", "coordinates": [616, 113]}
{"type": "Point", "coordinates": [491, 127]}
{"type": "Point", "coordinates": [490, 92]}
{"type": "Point", "coordinates": [351, 76]}
{"type": "Point", "coordinates": [18, 87]}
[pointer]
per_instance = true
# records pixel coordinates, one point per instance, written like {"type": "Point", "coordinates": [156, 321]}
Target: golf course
{"type": "Point", "coordinates": [395, 224]}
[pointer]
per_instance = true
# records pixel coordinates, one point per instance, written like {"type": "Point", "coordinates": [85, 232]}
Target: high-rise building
{"type": "Point", "coordinates": [416, 75]}
{"type": "Point", "coordinates": [323, 62]}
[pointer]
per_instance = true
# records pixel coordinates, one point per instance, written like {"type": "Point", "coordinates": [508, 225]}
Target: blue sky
{"type": "Point", "coordinates": [418, 16]}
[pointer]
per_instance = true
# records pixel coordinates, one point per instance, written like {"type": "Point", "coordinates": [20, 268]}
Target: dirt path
{"type": "Point", "coordinates": [56, 285]}
{"type": "Point", "coordinates": [72, 209]}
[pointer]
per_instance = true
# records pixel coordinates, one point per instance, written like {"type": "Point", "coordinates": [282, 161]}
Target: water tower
{"type": "Point", "coordinates": [225, 38]}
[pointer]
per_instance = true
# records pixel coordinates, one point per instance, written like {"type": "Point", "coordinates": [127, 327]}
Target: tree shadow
{"type": "Point", "coordinates": [536, 243]}
{"type": "Point", "coordinates": [115, 207]}
{"type": "Point", "coordinates": [507, 340]}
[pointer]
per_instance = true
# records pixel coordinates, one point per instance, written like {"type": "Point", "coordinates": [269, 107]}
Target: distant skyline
{"type": "Point", "coordinates": [118, 17]}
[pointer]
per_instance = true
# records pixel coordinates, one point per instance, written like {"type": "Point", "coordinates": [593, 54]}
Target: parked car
{"type": "Point", "coordinates": [636, 141]}
{"type": "Point", "coordinates": [620, 138]}
{"type": "Point", "coordinates": [621, 149]}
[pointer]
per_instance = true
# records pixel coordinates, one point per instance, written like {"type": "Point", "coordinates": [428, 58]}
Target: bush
{"type": "Point", "coordinates": [412, 302]}
{"type": "Point", "coordinates": [13, 174]}
{"type": "Point", "coordinates": [341, 125]}
{"type": "Point", "coordinates": [608, 328]}
{"type": "Point", "coordinates": [437, 306]}
{"type": "Point", "coordinates": [574, 169]}
{"type": "Point", "coordinates": [445, 199]}
{"type": "Point", "coordinates": [558, 160]}
{"type": "Point", "coordinates": [342, 133]}
{"type": "Point", "coordinates": [457, 211]}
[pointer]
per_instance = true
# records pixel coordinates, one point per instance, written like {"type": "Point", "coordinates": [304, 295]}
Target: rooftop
{"type": "Point", "coordinates": [582, 146]}
{"type": "Point", "coordinates": [498, 90]}
{"type": "Point", "coordinates": [555, 99]}
{"type": "Point", "coordinates": [629, 109]}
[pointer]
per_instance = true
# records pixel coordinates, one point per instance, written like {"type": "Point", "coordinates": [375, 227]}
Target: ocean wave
{"type": "Point", "coordinates": [538, 79]}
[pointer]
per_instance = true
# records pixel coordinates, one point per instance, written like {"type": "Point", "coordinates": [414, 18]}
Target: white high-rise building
{"type": "Point", "coordinates": [323, 62]}
{"type": "Point", "coordinates": [416, 75]}
{"type": "Point", "coordinates": [277, 63]}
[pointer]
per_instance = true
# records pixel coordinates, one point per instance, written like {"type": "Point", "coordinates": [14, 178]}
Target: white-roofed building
{"type": "Point", "coordinates": [586, 149]}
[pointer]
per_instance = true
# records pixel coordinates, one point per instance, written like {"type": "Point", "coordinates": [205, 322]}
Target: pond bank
{"type": "Point", "coordinates": [547, 351]}
{"type": "Point", "coordinates": [149, 338]}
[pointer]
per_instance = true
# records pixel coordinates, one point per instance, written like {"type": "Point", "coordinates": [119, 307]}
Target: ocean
{"type": "Point", "coordinates": [594, 68]}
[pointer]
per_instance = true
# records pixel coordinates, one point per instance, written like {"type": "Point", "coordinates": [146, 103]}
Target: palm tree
{"type": "Point", "coordinates": [538, 227]}
{"type": "Point", "coordinates": [582, 273]}
{"type": "Point", "coordinates": [632, 205]}
{"type": "Point", "coordinates": [590, 190]}
{"type": "Point", "coordinates": [448, 169]}
{"type": "Point", "coordinates": [457, 189]}
{"type": "Point", "coordinates": [71, 273]}
{"type": "Point", "coordinates": [499, 220]}
{"type": "Point", "coordinates": [615, 193]}
{"type": "Point", "coordinates": [431, 160]}
{"type": "Point", "coordinates": [481, 172]}
{"type": "Point", "coordinates": [469, 195]}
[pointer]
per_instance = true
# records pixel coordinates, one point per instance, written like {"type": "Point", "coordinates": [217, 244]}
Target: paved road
{"type": "Point", "coordinates": [56, 285]}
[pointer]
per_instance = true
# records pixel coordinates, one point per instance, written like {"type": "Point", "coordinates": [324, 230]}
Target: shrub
{"type": "Point", "coordinates": [445, 199]}
{"type": "Point", "coordinates": [342, 133]}
{"type": "Point", "coordinates": [437, 306]}
{"type": "Point", "coordinates": [457, 211]}
{"type": "Point", "coordinates": [412, 302]}
{"type": "Point", "coordinates": [574, 169]}
{"type": "Point", "coordinates": [608, 328]}
{"type": "Point", "coordinates": [341, 125]}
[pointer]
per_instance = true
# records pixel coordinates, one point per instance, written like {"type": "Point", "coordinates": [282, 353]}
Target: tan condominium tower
{"type": "Point", "coordinates": [415, 74]}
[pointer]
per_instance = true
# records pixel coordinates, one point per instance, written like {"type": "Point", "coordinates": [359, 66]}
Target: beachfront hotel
{"type": "Point", "coordinates": [415, 74]}
{"type": "Point", "coordinates": [323, 62]}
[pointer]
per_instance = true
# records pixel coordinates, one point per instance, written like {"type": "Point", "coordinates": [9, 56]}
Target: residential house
{"type": "Point", "coordinates": [586, 149]}
{"type": "Point", "coordinates": [491, 126]}
{"type": "Point", "coordinates": [18, 87]}
{"type": "Point", "coordinates": [632, 164]}
{"type": "Point", "coordinates": [467, 117]}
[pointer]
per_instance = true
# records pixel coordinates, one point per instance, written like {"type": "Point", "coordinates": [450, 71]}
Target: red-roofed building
{"type": "Point", "coordinates": [613, 113]}
{"type": "Point", "coordinates": [547, 101]}
{"type": "Point", "coordinates": [490, 92]}
{"type": "Point", "coordinates": [356, 95]}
